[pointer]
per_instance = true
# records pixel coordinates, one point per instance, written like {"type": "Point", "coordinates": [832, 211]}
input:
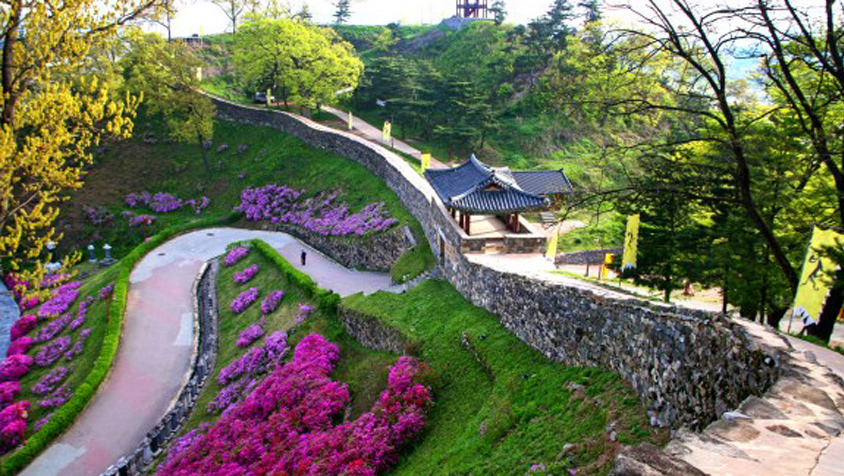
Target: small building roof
{"type": "Point", "coordinates": [475, 187]}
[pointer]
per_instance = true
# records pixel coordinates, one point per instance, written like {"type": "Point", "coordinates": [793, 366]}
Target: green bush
{"type": "Point", "coordinates": [67, 413]}
{"type": "Point", "coordinates": [325, 300]}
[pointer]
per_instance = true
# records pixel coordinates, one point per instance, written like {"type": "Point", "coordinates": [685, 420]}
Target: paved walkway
{"type": "Point", "coordinates": [155, 350]}
{"type": "Point", "coordinates": [373, 133]}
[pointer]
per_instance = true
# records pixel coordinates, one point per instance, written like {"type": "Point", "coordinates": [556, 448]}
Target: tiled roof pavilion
{"type": "Point", "coordinates": [476, 188]}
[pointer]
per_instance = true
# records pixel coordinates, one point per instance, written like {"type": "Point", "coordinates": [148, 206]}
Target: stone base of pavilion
{"type": "Point", "coordinates": [491, 234]}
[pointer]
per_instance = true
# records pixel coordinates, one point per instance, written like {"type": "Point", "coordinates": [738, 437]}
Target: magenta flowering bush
{"type": "Point", "coordinates": [8, 392]}
{"type": "Point", "coordinates": [271, 302]}
{"type": "Point", "coordinates": [52, 351]}
{"type": "Point", "coordinates": [13, 425]}
{"type": "Point", "coordinates": [231, 394]}
{"type": "Point", "coordinates": [15, 367]}
{"type": "Point", "coordinates": [251, 363]}
{"type": "Point", "coordinates": [321, 214]}
{"type": "Point", "coordinates": [244, 300]}
{"type": "Point", "coordinates": [23, 326]}
{"type": "Point", "coordinates": [235, 255]}
{"type": "Point", "coordinates": [286, 425]}
{"type": "Point", "coordinates": [243, 277]}
{"type": "Point", "coordinates": [20, 346]}
{"type": "Point", "coordinates": [49, 382]}
{"type": "Point", "coordinates": [142, 220]}
{"type": "Point", "coordinates": [248, 336]}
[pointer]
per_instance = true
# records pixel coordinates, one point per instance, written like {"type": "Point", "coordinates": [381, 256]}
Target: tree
{"type": "Point", "coordinates": [166, 73]}
{"type": "Point", "coordinates": [234, 9]}
{"type": "Point", "coordinates": [302, 63]}
{"type": "Point", "coordinates": [51, 114]}
{"type": "Point", "coordinates": [593, 10]}
{"type": "Point", "coordinates": [343, 11]}
{"type": "Point", "coordinates": [499, 10]}
{"type": "Point", "coordinates": [164, 15]}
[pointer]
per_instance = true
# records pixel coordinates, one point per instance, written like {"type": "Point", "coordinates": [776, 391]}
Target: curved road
{"type": "Point", "coordinates": [155, 350]}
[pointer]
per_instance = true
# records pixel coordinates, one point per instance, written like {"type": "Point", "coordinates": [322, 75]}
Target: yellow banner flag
{"type": "Point", "coordinates": [351, 121]}
{"type": "Point", "coordinates": [551, 254]}
{"type": "Point", "coordinates": [631, 243]}
{"type": "Point", "coordinates": [605, 268]}
{"type": "Point", "coordinates": [426, 161]}
{"type": "Point", "coordinates": [816, 278]}
{"type": "Point", "coordinates": [387, 131]}
{"type": "Point", "coordinates": [269, 97]}
{"type": "Point", "coordinates": [199, 73]}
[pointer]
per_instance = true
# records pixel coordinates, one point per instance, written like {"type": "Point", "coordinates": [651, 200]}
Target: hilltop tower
{"type": "Point", "coordinates": [473, 8]}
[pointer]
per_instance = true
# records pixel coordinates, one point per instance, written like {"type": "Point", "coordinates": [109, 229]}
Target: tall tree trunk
{"type": "Point", "coordinates": [204, 154]}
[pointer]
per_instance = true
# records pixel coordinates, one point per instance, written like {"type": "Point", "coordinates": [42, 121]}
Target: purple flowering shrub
{"type": "Point", "coordinates": [321, 214]}
{"type": "Point", "coordinates": [49, 382]}
{"type": "Point", "coordinates": [15, 367]}
{"type": "Point", "coordinates": [243, 277]}
{"type": "Point", "coordinates": [248, 336]}
{"type": "Point", "coordinates": [305, 310]}
{"type": "Point", "coordinates": [62, 298]}
{"type": "Point", "coordinates": [244, 300]}
{"type": "Point", "coordinates": [199, 205]}
{"type": "Point", "coordinates": [231, 394]}
{"type": "Point", "coordinates": [251, 363]}
{"type": "Point", "coordinates": [165, 202]}
{"type": "Point", "coordinates": [235, 255]}
{"type": "Point", "coordinates": [8, 392]}
{"type": "Point", "coordinates": [105, 292]}
{"type": "Point", "coordinates": [53, 328]}
{"type": "Point", "coordinates": [52, 351]}
{"type": "Point", "coordinates": [82, 312]}
{"type": "Point", "coordinates": [142, 220]}
{"type": "Point", "coordinates": [97, 216]}
{"type": "Point", "coordinates": [59, 397]}
{"type": "Point", "coordinates": [20, 346]}
{"type": "Point", "coordinates": [79, 346]}
{"type": "Point", "coordinates": [286, 425]}
{"type": "Point", "coordinates": [24, 325]}
{"type": "Point", "coordinates": [271, 302]}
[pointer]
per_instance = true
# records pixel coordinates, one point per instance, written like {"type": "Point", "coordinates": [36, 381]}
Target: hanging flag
{"type": "Point", "coordinates": [199, 73]}
{"type": "Point", "coordinates": [605, 268]}
{"type": "Point", "coordinates": [351, 121]}
{"type": "Point", "coordinates": [387, 131]}
{"type": "Point", "coordinates": [551, 254]}
{"type": "Point", "coordinates": [631, 243]}
{"type": "Point", "coordinates": [268, 97]}
{"type": "Point", "coordinates": [426, 161]}
{"type": "Point", "coordinates": [816, 278]}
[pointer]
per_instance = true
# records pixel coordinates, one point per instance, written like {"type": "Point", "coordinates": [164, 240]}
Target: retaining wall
{"type": "Point", "coordinates": [687, 366]}
{"type": "Point", "coordinates": [586, 257]}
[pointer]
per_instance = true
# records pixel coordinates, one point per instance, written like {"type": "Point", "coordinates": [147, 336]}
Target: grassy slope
{"type": "Point", "coordinates": [523, 413]}
{"type": "Point", "coordinates": [272, 157]}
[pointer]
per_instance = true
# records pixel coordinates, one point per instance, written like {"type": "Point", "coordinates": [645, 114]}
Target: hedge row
{"type": "Point", "coordinates": [325, 299]}
{"type": "Point", "coordinates": [67, 413]}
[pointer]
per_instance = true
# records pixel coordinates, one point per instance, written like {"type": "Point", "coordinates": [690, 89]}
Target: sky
{"type": "Point", "coordinates": [202, 14]}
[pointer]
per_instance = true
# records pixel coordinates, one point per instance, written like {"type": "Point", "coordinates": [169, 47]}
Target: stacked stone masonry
{"type": "Point", "coordinates": [688, 367]}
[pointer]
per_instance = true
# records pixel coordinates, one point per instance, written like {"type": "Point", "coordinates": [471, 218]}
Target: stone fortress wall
{"type": "Point", "coordinates": [687, 366]}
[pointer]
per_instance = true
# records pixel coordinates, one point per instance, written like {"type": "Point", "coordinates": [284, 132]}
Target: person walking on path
{"type": "Point", "coordinates": [304, 257]}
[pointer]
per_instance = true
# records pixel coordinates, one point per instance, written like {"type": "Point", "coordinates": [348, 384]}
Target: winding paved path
{"type": "Point", "coordinates": [155, 350]}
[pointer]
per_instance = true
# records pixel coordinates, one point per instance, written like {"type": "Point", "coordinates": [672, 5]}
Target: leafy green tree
{"type": "Point", "coordinates": [166, 73]}
{"type": "Point", "coordinates": [302, 63]}
{"type": "Point", "coordinates": [499, 11]}
{"type": "Point", "coordinates": [592, 9]}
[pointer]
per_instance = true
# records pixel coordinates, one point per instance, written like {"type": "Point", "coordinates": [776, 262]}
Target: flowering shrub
{"type": "Point", "coordinates": [244, 300]}
{"type": "Point", "coordinates": [321, 214]}
{"type": "Point", "coordinates": [271, 302]}
{"type": "Point", "coordinates": [141, 220]}
{"type": "Point", "coordinates": [285, 426]}
{"type": "Point", "coordinates": [23, 326]}
{"type": "Point", "coordinates": [252, 333]}
{"type": "Point", "coordinates": [13, 425]}
{"type": "Point", "coordinates": [8, 392]}
{"type": "Point", "coordinates": [243, 277]}
{"type": "Point", "coordinates": [62, 298]}
{"type": "Point", "coordinates": [49, 382]}
{"type": "Point", "coordinates": [182, 443]}
{"type": "Point", "coordinates": [78, 346]}
{"type": "Point", "coordinates": [231, 394]}
{"type": "Point", "coordinates": [199, 205]}
{"type": "Point", "coordinates": [53, 328]}
{"type": "Point", "coordinates": [276, 346]}
{"type": "Point", "coordinates": [58, 398]}
{"type": "Point", "coordinates": [82, 313]}
{"type": "Point", "coordinates": [97, 216]}
{"type": "Point", "coordinates": [251, 363]}
{"type": "Point", "coordinates": [19, 346]}
{"type": "Point", "coordinates": [235, 255]}
{"type": "Point", "coordinates": [15, 367]}
{"type": "Point", "coordinates": [164, 203]}
{"type": "Point", "coordinates": [52, 351]}
{"type": "Point", "coordinates": [305, 310]}
{"type": "Point", "coordinates": [138, 199]}
{"type": "Point", "coordinates": [105, 292]}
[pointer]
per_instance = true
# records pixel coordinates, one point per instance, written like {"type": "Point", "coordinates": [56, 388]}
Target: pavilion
{"type": "Point", "coordinates": [475, 188]}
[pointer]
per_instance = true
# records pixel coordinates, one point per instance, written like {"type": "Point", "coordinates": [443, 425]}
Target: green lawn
{"type": "Point", "coordinates": [517, 409]}
{"type": "Point", "coordinates": [151, 162]}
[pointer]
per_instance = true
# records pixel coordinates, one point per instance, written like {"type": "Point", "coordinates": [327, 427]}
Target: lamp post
{"type": "Point", "coordinates": [108, 260]}
{"type": "Point", "coordinates": [92, 258]}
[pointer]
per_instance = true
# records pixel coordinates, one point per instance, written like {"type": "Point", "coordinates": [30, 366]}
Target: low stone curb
{"type": "Point", "coordinates": [202, 363]}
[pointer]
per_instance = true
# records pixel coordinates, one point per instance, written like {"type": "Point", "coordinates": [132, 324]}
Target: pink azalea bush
{"type": "Point", "coordinates": [15, 367]}
{"type": "Point", "coordinates": [243, 277]}
{"type": "Point", "coordinates": [271, 302]}
{"type": "Point", "coordinates": [19, 346]}
{"type": "Point", "coordinates": [8, 392]}
{"type": "Point", "coordinates": [235, 255]}
{"type": "Point", "coordinates": [244, 300]}
{"type": "Point", "coordinates": [322, 214]}
{"type": "Point", "coordinates": [13, 425]}
{"type": "Point", "coordinates": [23, 326]}
{"type": "Point", "coordinates": [286, 425]}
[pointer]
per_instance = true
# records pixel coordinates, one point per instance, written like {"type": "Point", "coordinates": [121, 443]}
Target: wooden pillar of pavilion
{"type": "Point", "coordinates": [468, 228]}
{"type": "Point", "coordinates": [517, 227]}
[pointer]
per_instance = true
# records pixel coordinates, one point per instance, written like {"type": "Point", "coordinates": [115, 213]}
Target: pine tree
{"type": "Point", "coordinates": [499, 9]}
{"type": "Point", "coordinates": [343, 12]}
{"type": "Point", "coordinates": [593, 10]}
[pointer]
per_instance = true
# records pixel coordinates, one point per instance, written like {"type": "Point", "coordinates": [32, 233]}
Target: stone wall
{"type": "Point", "coordinates": [372, 332]}
{"type": "Point", "coordinates": [375, 253]}
{"type": "Point", "coordinates": [585, 257]}
{"type": "Point", "coordinates": [688, 367]}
